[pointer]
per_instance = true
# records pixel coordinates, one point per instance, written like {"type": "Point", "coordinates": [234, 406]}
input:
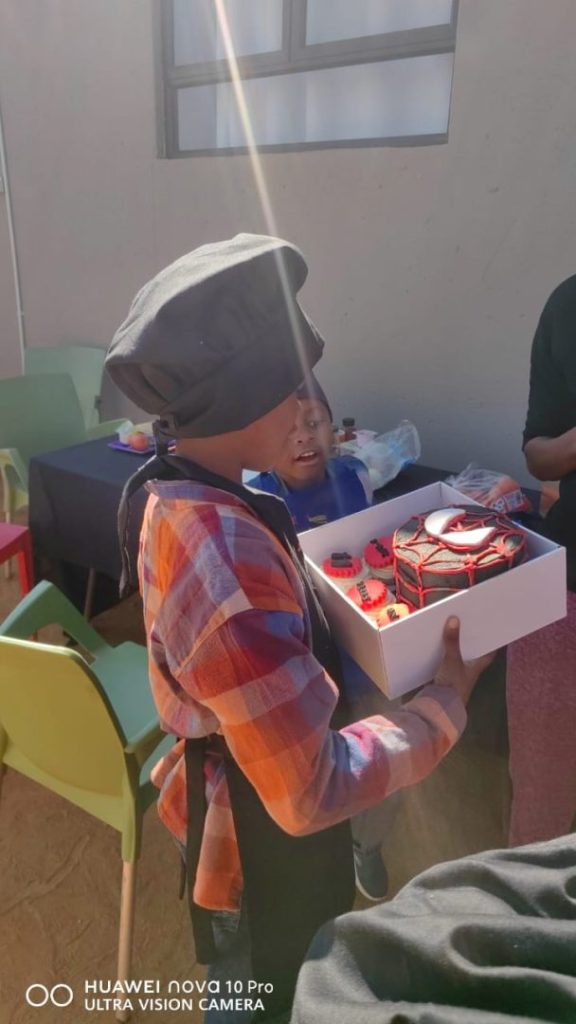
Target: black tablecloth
{"type": "Point", "coordinates": [74, 498]}
{"type": "Point", "coordinates": [75, 493]}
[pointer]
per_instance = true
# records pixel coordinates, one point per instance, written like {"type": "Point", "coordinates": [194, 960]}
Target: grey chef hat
{"type": "Point", "coordinates": [311, 389]}
{"type": "Point", "coordinates": [217, 339]}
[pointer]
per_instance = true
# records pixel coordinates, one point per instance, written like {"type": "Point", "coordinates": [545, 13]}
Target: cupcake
{"type": "Point", "coordinates": [392, 613]}
{"type": "Point", "coordinates": [370, 596]}
{"type": "Point", "coordinates": [343, 569]}
{"type": "Point", "coordinates": [379, 559]}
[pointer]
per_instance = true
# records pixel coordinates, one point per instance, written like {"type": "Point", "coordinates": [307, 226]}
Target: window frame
{"type": "Point", "coordinates": [294, 56]}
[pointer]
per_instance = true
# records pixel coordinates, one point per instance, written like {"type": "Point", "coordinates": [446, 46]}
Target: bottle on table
{"type": "Point", "coordinates": [349, 427]}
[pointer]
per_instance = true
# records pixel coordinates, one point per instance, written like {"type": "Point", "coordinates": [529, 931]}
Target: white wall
{"type": "Point", "coordinates": [429, 266]}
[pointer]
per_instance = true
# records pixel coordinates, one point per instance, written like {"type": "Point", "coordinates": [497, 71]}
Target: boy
{"type": "Point", "coordinates": [316, 487]}
{"type": "Point", "coordinates": [241, 661]}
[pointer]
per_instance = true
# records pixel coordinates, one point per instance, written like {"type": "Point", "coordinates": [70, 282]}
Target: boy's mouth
{"type": "Point", "coordinates": [307, 458]}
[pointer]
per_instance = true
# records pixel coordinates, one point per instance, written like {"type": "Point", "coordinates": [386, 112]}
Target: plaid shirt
{"type": "Point", "coordinates": [229, 650]}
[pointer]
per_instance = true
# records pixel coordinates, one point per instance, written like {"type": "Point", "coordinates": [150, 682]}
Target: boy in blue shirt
{"type": "Point", "coordinates": [316, 486]}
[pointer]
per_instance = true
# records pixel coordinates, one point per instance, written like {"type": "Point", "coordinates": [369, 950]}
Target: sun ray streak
{"type": "Point", "coordinates": [259, 177]}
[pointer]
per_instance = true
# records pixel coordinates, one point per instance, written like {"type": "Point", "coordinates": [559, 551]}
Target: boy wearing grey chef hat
{"type": "Point", "coordinates": [241, 661]}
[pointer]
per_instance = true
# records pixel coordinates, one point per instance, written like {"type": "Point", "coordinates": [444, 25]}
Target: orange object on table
{"type": "Point", "coordinates": [15, 541]}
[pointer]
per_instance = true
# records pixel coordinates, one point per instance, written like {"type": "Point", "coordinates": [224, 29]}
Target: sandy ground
{"type": "Point", "coordinates": [60, 869]}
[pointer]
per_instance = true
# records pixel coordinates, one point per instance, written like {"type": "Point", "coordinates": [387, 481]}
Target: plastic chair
{"type": "Point", "coordinates": [88, 732]}
{"type": "Point", "coordinates": [15, 541]}
{"type": "Point", "coordinates": [84, 363]}
{"type": "Point", "coordinates": [37, 416]}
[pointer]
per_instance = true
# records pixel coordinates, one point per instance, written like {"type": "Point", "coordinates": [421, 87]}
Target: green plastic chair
{"type": "Point", "coordinates": [38, 413]}
{"type": "Point", "coordinates": [84, 363]}
{"type": "Point", "coordinates": [88, 732]}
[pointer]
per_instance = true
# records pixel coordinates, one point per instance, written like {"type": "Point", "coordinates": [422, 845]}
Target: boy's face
{"type": "Point", "coordinates": [302, 460]}
{"type": "Point", "coordinates": [265, 439]}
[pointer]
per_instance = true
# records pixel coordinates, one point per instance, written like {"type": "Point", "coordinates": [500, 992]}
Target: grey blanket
{"type": "Point", "coordinates": [488, 939]}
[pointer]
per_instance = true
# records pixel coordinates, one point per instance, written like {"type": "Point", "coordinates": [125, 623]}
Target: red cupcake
{"type": "Point", "coordinates": [343, 569]}
{"type": "Point", "coordinates": [371, 596]}
{"type": "Point", "coordinates": [379, 558]}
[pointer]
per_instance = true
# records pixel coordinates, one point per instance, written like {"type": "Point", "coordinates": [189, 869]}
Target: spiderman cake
{"type": "Point", "coordinates": [442, 552]}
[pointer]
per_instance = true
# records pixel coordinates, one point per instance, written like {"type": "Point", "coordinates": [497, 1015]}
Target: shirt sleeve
{"type": "Point", "coordinates": [274, 703]}
{"type": "Point", "coordinates": [551, 401]}
{"type": "Point", "coordinates": [363, 474]}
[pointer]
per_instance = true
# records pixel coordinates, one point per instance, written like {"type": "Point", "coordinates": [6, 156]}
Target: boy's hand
{"type": "Point", "coordinates": [461, 675]}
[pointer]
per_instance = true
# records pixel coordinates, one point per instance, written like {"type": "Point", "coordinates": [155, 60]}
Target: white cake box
{"type": "Point", "coordinates": [407, 653]}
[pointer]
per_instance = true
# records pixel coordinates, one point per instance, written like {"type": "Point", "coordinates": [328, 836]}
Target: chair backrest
{"type": "Point", "coordinates": [57, 718]}
{"type": "Point", "coordinates": [84, 363]}
{"type": "Point", "coordinates": [39, 414]}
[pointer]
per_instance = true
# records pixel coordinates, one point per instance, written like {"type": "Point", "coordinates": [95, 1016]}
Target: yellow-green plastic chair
{"type": "Point", "coordinates": [38, 413]}
{"type": "Point", "coordinates": [87, 731]}
{"type": "Point", "coordinates": [84, 363]}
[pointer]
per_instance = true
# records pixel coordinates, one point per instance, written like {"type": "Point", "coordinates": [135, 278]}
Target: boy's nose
{"type": "Point", "coordinates": [302, 433]}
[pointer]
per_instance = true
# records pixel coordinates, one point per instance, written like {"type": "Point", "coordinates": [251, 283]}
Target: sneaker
{"type": "Point", "coordinates": [371, 874]}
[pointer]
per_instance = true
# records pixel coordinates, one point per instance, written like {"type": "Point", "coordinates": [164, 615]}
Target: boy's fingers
{"type": "Point", "coordinates": [451, 637]}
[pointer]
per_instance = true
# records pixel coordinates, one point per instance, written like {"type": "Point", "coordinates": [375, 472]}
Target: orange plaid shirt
{"type": "Point", "coordinates": [229, 650]}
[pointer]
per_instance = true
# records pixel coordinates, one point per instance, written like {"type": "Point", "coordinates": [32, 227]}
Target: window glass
{"type": "Point", "coordinates": [329, 20]}
{"type": "Point", "coordinates": [378, 100]}
{"type": "Point", "coordinates": [255, 27]}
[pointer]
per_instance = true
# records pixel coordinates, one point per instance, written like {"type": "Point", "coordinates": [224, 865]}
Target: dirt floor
{"type": "Point", "coordinates": [60, 869]}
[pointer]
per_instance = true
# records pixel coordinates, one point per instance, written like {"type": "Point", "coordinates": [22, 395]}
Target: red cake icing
{"type": "Point", "coordinates": [370, 595]}
{"type": "Point", "coordinates": [442, 552]}
{"type": "Point", "coordinates": [378, 553]}
{"type": "Point", "coordinates": [341, 565]}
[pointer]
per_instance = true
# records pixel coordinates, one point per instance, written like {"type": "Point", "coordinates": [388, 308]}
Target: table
{"type": "Point", "coordinates": [74, 498]}
{"type": "Point", "coordinates": [75, 493]}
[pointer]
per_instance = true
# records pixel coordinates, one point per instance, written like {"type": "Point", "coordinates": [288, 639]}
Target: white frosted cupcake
{"type": "Point", "coordinates": [392, 613]}
{"type": "Point", "coordinates": [344, 569]}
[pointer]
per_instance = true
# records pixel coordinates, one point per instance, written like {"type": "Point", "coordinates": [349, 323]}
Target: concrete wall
{"type": "Point", "coordinates": [429, 266]}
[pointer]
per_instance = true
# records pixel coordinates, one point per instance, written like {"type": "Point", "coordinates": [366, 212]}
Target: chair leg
{"type": "Point", "coordinates": [26, 565]}
{"type": "Point", "coordinates": [127, 901]}
{"type": "Point", "coordinates": [89, 599]}
{"type": "Point", "coordinates": [7, 516]}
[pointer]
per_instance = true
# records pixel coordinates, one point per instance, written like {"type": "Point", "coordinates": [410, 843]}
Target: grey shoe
{"type": "Point", "coordinates": [371, 873]}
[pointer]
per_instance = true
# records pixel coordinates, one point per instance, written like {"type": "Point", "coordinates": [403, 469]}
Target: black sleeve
{"type": "Point", "coordinates": [552, 400]}
{"type": "Point", "coordinates": [488, 939]}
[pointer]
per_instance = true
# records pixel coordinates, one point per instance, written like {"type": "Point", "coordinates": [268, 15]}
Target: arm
{"type": "Point", "coordinates": [274, 703]}
{"type": "Point", "coordinates": [551, 458]}
{"type": "Point", "coordinates": [550, 434]}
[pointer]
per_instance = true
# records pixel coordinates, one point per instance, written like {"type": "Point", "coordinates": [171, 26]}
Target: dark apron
{"type": "Point", "coordinates": [292, 885]}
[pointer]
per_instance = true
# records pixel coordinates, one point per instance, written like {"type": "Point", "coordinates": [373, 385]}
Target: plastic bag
{"type": "Point", "coordinates": [492, 489]}
{"type": "Point", "coordinates": [386, 454]}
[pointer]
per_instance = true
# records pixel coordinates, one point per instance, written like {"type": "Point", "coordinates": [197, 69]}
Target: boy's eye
{"type": "Point", "coordinates": [314, 424]}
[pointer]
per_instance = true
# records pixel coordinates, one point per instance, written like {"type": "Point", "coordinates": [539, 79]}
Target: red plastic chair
{"type": "Point", "coordinates": [15, 541]}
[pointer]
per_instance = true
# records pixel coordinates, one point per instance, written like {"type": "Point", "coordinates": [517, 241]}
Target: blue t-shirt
{"type": "Point", "coordinates": [340, 493]}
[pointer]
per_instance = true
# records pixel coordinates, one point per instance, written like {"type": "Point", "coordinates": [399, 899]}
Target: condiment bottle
{"type": "Point", "coordinates": [349, 424]}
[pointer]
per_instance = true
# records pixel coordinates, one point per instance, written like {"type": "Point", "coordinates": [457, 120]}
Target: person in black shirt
{"type": "Point", "coordinates": [541, 676]}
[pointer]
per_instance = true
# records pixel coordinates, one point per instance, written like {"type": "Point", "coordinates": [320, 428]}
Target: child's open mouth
{"type": "Point", "coordinates": [307, 458]}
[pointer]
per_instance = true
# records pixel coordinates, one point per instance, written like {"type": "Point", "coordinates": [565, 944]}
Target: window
{"type": "Point", "coordinates": [304, 73]}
